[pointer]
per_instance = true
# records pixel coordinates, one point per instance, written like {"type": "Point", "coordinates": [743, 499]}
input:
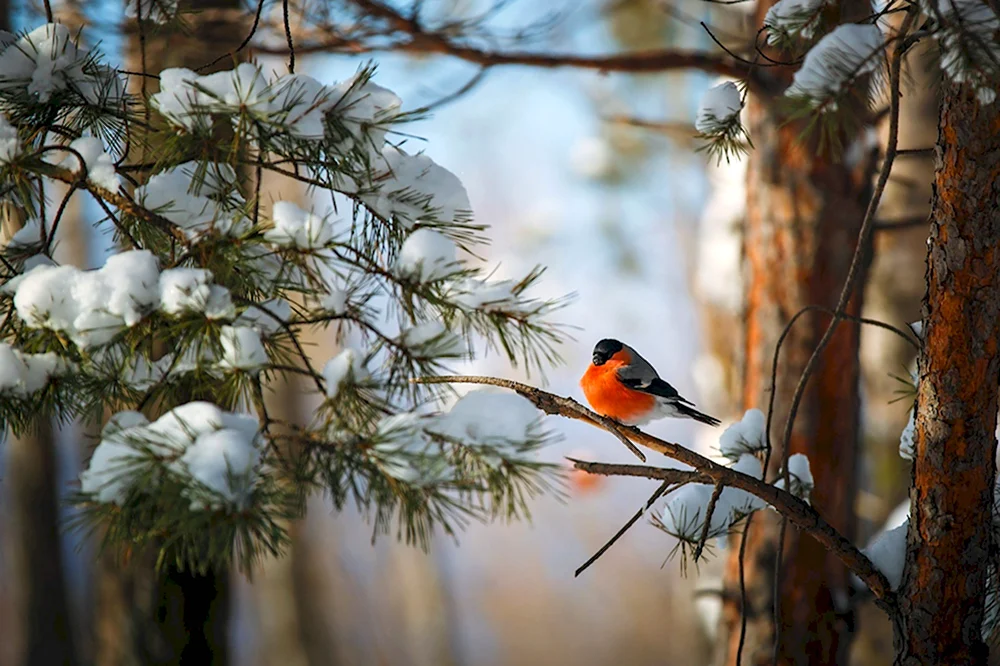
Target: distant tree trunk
{"type": "Point", "coordinates": [172, 616]}
{"type": "Point", "coordinates": [948, 545]}
{"type": "Point", "coordinates": [804, 212]}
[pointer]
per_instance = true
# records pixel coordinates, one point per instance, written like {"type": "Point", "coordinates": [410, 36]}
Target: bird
{"type": "Point", "coordinates": [622, 385]}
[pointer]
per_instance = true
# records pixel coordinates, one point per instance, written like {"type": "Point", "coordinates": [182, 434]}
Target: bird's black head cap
{"type": "Point", "coordinates": [605, 349]}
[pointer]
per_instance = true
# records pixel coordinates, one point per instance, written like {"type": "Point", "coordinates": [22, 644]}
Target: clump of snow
{"type": "Point", "coordinates": [720, 107]}
{"type": "Point", "coordinates": [98, 164]}
{"type": "Point", "coordinates": [188, 202]}
{"type": "Point", "coordinates": [800, 479]}
{"type": "Point", "coordinates": [849, 51]}
{"type": "Point", "coordinates": [427, 255]}
{"type": "Point", "coordinates": [91, 307]}
{"type": "Point", "coordinates": [217, 451]}
{"type": "Point", "coordinates": [413, 187]}
{"type": "Point", "coordinates": [223, 461]}
{"type": "Point", "coordinates": [432, 340]}
{"type": "Point", "coordinates": [739, 502]}
{"type": "Point", "coordinates": [489, 417]}
{"type": "Point", "coordinates": [906, 448]}
{"type": "Point", "coordinates": [347, 366]}
{"type": "Point", "coordinates": [684, 513]}
{"type": "Point", "coordinates": [190, 290]}
{"type": "Point", "coordinates": [10, 145]}
{"type": "Point", "coordinates": [401, 450]}
{"type": "Point", "coordinates": [297, 228]}
{"type": "Point", "coordinates": [491, 296]}
{"type": "Point", "coordinates": [353, 112]}
{"type": "Point", "coordinates": [790, 18]}
{"type": "Point", "coordinates": [887, 551]}
{"type": "Point", "coordinates": [23, 374]}
{"type": "Point", "coordinates": [360, 113]}
{"type": "Point", "coordinates": [969, 49]}
{"type": "Point", "coordinates": [592, 157]}
{"type": "Point", "coordinates": [744, 436]}
{"type": "Point", "coordinates": [241, 348]}
{"type": "Point", "coordinates": [44, 61]}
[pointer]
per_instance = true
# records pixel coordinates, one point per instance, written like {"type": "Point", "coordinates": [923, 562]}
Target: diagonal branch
{"type": "Point", "coordinates": [800, 514]}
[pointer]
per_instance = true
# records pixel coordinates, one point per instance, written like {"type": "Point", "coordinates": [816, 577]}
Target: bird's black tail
{"type": "Point", "coordinates": [693, 413]}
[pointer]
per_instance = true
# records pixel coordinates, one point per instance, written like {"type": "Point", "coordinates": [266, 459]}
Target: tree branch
{"type": "Point", "coordinates": [802, 515]}
{"type": "Point", "coordinates": [419, 40]}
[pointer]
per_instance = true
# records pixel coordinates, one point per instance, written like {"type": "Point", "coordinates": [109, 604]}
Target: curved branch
{"type": "Point", "coordinates": [800, 514]}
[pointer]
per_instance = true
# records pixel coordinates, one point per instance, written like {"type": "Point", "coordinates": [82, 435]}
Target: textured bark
{"type": "Point", "coordinates": [804, 212]}
{"type": "Point", "coordinates": [169, 617]}
{"type": "Point", "coordinates": [941, 597]}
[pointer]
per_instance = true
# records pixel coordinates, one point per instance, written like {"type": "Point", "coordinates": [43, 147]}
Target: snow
{"type": "Point", "coordinates": [263, 319]}
{"type": "Point", "coordinates": [739, 502]}
{"type": "Point", "coordinates": [347, 366]}
{"type": "Point", "coordinates": [364, 110]}
{"type": "Point", "coordinates": [684, 514]}
{"type": "Point", "coordinates": [489, 416]}
{"type": "Point", "coordinates": [744, 436]}
{"type": "Point", "coordinates": [223, 461]}
{"type": "Point", "coordinates": [431, 340]}
{"type": "Point", "coordinates": [241, 348]}
{"type": "Point", "coordinates": [217, 449]}
{"type": "Point", "coordinates": [592, 157]}
{"type": "Point", "coordinates": [887, 551]}
{"type": "Point", "coordinates": [720, 107]}
{"type": "Point", "coordinates": [410, 188]}
{"type": "Point", "coordinates": [100, 167]}
{"type": "Point", "coordinates": [23, 374]}
{"type": "Point", "coordinates": [297, 228]}
{"type": "Point", "coordinates": [800, 477]}
{"type": "Point", "coordinates": [918, 329]}
{"type": "Point", "coordinates": [299, 104]}
{"type": "Point", "coordinates": [45, 61]}
{"type": "Point", "coordinates": [969, 50]}
{"type": "Point", "coordinates": [849, 51]}
{"type": "Point", "coordinates": [789, 18]}
{"type": "Point", "coordinates": [89, 306]}
{"type": "Point", "coordinates": [333, 299]}
{"type": "Point", "coordinates": [190, 290]}
{"type": "Point", "coordinates": [906, 448]}
{"type": "Point", "coordinates": [491, 296]}
{"type": "Point", "coordinates": [427, 255]}
{"type": "Point", "coordinates": [178, 196]}
{"type": "Point", "coordinates": [10, 146]}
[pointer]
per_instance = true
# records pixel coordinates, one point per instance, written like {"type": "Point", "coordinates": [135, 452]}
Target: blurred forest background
{"type": "Point", "coordinates": [595, 175]}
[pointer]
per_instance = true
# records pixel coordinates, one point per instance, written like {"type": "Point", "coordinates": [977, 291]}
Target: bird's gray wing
{"type": "Point", "coordinates": [641, 376]}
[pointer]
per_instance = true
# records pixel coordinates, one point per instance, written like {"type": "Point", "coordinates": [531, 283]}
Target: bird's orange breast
{"type": "Point", "coordinates": [609, 397]}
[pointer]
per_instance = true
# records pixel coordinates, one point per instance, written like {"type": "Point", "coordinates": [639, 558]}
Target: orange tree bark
{"type": "Point", "coordinates": [941, 596]}
{"type": "Point", "coordinates": [804, 213]}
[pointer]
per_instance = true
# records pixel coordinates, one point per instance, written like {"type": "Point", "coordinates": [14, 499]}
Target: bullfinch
{"type": "Point", "coordinates": [623, 386]}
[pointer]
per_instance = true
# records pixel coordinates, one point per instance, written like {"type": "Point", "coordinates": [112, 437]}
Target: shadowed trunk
{"type": "Point", "coordinates": [804, 213]}
{"type": "Point", "coordinates": [948, 544]}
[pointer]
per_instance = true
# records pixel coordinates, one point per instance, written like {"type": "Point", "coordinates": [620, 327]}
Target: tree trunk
{"type": "Point", "coordinates": [804, 213]}
{"type": "Point", "coordinates": [948, 544]}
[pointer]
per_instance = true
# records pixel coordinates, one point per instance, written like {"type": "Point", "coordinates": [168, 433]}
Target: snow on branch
{"type": "Point", "coordinates": [217, 287]}
{"type": "Point", "coordinates": [833, 65]}
{"type": "Point", "coordinates": [719, 124]}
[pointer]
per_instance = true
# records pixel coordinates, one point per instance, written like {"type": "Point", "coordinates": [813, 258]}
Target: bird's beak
{"type": "Point", "coordinates": [597, 360]}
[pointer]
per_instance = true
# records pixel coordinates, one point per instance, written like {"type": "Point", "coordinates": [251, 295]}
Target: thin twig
{"type": "Point", "coordinates": [618, 535]}
{"type": "Point", "coordinates": [743, 591]}
{"type": "Point", "coordinates": [288, 37]}
{"type": "Point", "coordinates": [709, 511]}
